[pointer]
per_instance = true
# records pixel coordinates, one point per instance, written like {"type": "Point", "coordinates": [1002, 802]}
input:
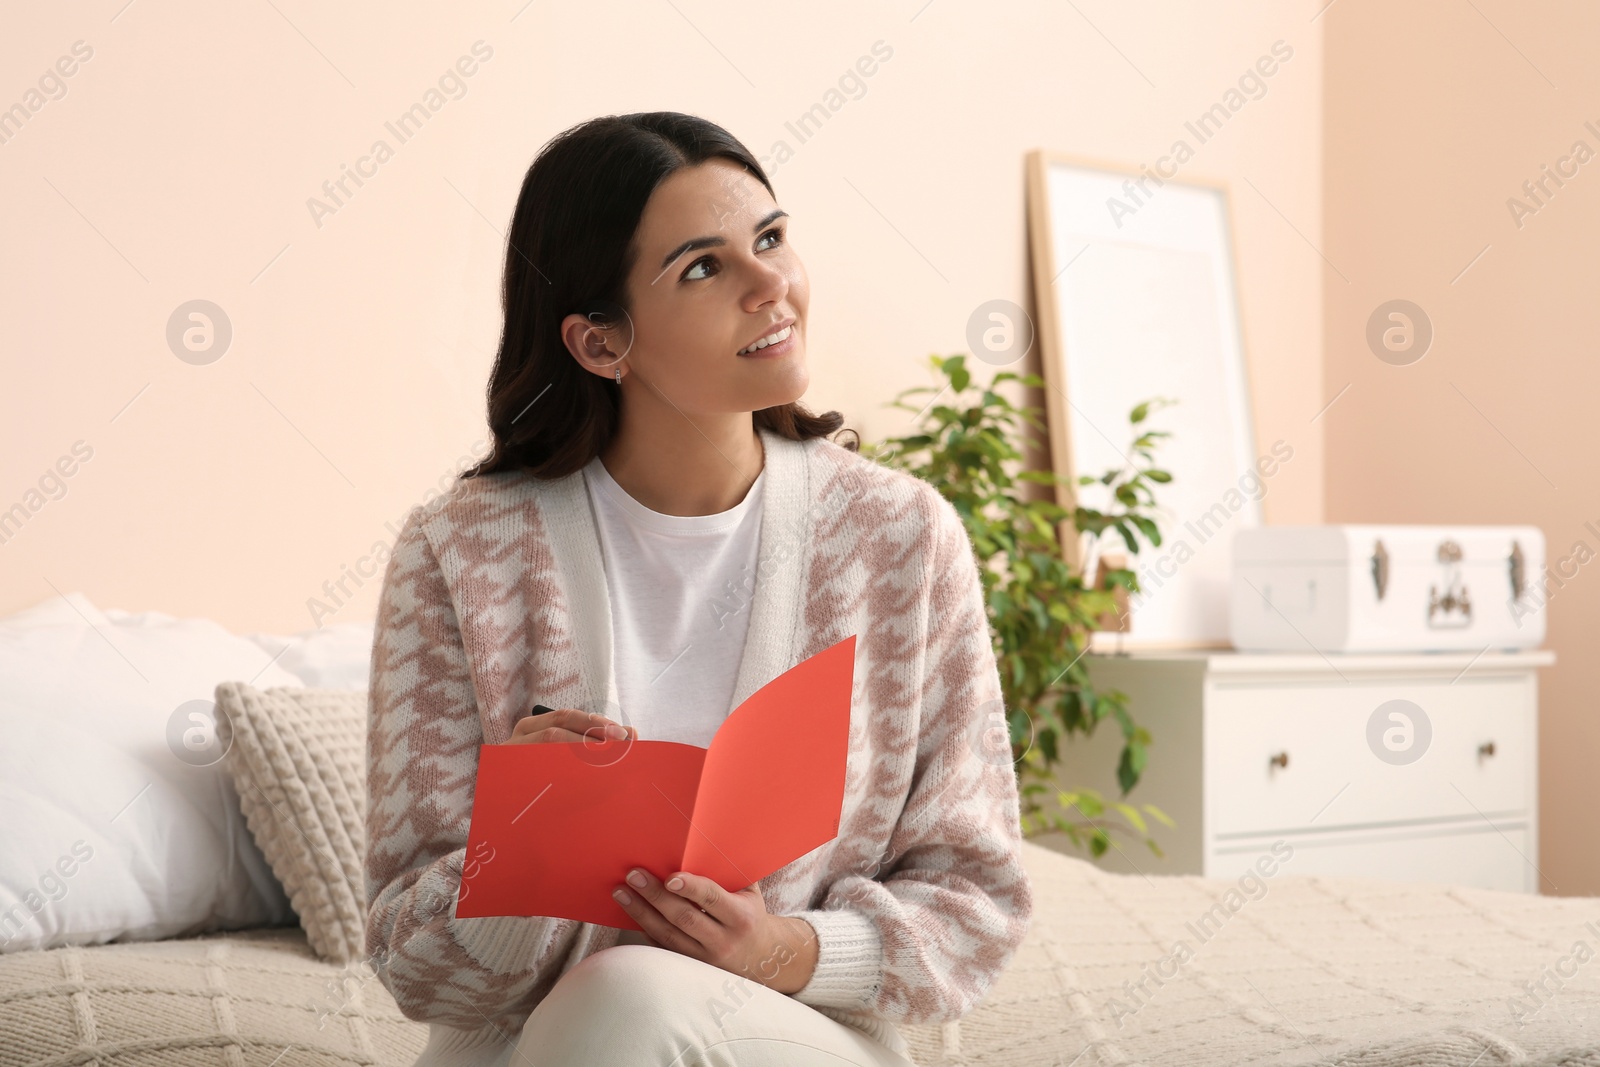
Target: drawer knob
{"type": "Point", "coordinates": [1282, 759]}
{"type": "Point", "coordinates": [1486, 750]}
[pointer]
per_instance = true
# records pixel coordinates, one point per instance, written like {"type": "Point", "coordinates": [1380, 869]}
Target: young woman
{"type": "Point", "coordinates": [660, 529]}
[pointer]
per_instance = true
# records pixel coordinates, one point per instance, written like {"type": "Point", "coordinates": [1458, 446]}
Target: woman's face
{"type": "Point", "coordinates": [714, 273]}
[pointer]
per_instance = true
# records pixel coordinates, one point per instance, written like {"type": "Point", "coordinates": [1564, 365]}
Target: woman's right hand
{"type": "Point", "coordinates": [567, 724]}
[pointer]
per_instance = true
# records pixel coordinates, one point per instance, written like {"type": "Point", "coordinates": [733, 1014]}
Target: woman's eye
{"type": "Point", "coordinates": [689, 274]}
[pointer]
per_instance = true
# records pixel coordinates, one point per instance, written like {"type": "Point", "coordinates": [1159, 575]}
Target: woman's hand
{"type": "Point", "coordinates": [698, 918]}
{"type": "Point", "coordinates": [567, 724]}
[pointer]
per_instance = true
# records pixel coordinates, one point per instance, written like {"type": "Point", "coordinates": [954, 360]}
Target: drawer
{"type": "Point", "coordinates": [1469, 852]}
{"type": "Point", "coordinates": [1331, 777]}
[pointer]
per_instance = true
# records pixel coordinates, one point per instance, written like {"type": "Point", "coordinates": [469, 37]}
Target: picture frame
{"type": "Point", "coordinates": [1135, 288]}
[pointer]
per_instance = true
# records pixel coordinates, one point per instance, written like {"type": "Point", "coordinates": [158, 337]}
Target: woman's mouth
{"type": "Point", "coordinates": [774, 344]}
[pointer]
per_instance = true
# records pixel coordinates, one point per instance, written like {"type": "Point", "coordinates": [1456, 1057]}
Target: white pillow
{"type": "Point", "coordinates": [114, 828]}
{"type": "Point", "coordinates": [337, 656]}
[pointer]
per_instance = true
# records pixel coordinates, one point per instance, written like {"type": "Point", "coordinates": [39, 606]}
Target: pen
{"type": "Point", "coordinates": [538, 709]}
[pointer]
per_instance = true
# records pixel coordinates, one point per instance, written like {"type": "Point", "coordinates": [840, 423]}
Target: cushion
{"type": "Point", "coordinates": [335, 656]}
{"type": "Point", "coordinates": [299, 762]}
{"type": "Point", "coordinates": [259, 997]}
{"type": "Point", "coordinates": [120, 821]}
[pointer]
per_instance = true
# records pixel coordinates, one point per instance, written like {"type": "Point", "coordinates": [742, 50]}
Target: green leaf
{"type": "Point", "coordinates": [1127, 537]}
{"type": "Point", "coordinates": [1130, 766]}
{"type": "Point", "coordinates": [1123, 577]}
{"type": "Point", "coordinates": [1089, 803]}
{"type": "Point", "coordinates": [1131, 813]}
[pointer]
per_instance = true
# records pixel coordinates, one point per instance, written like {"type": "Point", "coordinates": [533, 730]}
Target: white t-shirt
{"type": "Point", "coordinates": [680, 589]}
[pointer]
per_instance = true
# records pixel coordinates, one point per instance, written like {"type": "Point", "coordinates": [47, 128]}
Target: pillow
{"type": "Point", "coordinates": [298, 759]}
{"type": "Point", "coordinates": [337, 656]}
{"type": "Point", "coordinates": [121, 823]}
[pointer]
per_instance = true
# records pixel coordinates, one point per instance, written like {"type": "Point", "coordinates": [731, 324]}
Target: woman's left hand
{"type": "Point", "coordinates": [734, 931]}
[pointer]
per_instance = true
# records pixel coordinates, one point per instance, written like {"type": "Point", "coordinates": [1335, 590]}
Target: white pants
{"type": "Point", "coordinates": [636, 1005]}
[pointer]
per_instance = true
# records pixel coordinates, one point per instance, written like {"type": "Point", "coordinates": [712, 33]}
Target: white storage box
{"type": "Point", "coordinates": [1388, 588]}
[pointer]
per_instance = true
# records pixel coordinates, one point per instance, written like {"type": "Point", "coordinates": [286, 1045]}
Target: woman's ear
{"type": "Point", "coordinates": [599, 338]}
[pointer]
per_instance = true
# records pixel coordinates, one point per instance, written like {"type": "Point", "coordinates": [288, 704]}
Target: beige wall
{"type": "Point", "coordinates": [179, 164]}
{"type": "Point", "coordinates": [1436, 113]}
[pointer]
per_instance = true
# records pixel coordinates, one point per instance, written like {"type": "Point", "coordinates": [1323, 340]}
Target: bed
{"type": "Point", "coordinates": [1313, 970]}
{"type": "Point", "coordinates": [1268, 967]}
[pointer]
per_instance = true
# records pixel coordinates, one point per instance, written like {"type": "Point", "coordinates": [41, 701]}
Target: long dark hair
{"type": "Point", "coordinates": [570, 250]}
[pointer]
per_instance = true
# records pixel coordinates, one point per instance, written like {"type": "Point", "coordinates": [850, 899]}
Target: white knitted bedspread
{"type": "Point", "coordinates": [246, 999]}
{"type": "Point", "coordinates": [1300, 970]}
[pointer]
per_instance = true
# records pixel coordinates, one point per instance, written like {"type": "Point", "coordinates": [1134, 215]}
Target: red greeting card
{"type": "Point", "coordinates": [555, 827]}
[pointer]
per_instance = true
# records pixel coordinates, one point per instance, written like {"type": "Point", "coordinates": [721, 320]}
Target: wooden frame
{"type": "Point", "coordinates": [1053, 356]}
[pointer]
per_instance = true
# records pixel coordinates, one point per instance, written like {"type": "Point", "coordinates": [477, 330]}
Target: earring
{"type": "Point", "coordinates": [619, 375]}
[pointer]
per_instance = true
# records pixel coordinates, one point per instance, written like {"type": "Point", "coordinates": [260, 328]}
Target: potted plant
{"type": "Point", "coordinates": [1041, 610]}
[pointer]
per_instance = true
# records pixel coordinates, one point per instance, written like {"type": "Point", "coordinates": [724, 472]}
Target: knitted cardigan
{"type": "Point", "coordinates": [494, 599]}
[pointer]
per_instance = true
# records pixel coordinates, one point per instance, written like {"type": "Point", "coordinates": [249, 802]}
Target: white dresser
{"type": "Point", "coordinates": [1413, 767]}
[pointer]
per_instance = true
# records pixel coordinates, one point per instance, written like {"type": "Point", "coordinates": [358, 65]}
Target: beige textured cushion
{"type": "Point", "coordinates": [298, 759]}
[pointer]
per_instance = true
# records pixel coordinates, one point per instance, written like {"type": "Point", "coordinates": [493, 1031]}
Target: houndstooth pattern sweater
{"type": "Point", "coordinates": [494, 599]}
